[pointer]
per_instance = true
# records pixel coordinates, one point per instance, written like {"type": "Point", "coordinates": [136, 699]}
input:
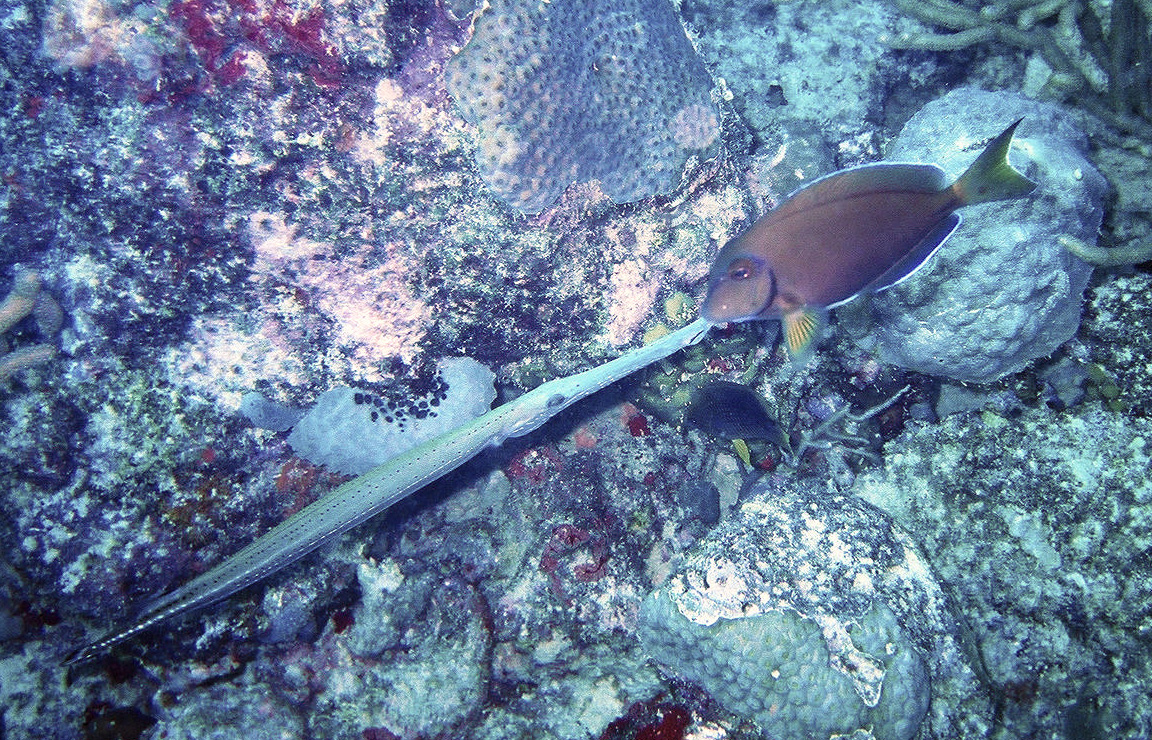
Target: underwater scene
{"type": "Point", "coordinates": [575, 369]}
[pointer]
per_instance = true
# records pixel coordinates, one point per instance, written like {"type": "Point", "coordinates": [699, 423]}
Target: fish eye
{"type": "Point", "coordinates": [741, 268]}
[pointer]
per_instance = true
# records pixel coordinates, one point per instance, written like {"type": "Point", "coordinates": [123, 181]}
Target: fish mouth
{"type": "Point", "coordinates": [717, 313]}
{"type": "Point", "coordinates": [716, 310]}
{"type": "Point", "coordinates": [714, 318]}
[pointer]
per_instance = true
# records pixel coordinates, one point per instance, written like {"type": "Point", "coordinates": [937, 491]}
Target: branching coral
{"type": "Point", "coordinates": [26, 299]}
{"type": "Point", "coordinates": [831, 432]}
{"type": "Point", "coordinates": [1132, 254]}
{"type": "Point", "coordinates": [1099, 54]}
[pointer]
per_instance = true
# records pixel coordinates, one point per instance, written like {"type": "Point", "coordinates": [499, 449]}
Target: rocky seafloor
{"type": "Point", "coordinates": [203, 198]}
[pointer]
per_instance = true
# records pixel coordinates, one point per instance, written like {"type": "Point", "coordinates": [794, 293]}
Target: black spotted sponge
{"type": "Point", "coordinates": [572, 91]}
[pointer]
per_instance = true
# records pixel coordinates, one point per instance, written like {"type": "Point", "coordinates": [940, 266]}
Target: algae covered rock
{"type": "Point", "coordinates": [1003, 290]}
{"type": "Point", "coordinates": [1039, 522]}
{"type": "Point", "coordinates": [814, 616]}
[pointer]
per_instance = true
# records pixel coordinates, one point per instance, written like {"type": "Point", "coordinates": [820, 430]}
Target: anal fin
{"type": "Point", "coordinates": [917, 257]}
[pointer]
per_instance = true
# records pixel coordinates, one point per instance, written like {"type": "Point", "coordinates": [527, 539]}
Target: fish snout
{"type": "Point", "coordinates": [742, 292]}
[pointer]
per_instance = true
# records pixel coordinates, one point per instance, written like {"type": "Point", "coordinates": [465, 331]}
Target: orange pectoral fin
{"type": "Point", "coordinates": [801, 327]}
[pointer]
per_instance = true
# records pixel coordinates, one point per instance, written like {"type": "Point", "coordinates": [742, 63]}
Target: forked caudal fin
{"type": "Point", "coordinates": [991, 177]}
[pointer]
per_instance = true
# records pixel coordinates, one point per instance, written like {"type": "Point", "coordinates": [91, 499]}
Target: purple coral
{"type": "Point", "coordinates": [573, 92]}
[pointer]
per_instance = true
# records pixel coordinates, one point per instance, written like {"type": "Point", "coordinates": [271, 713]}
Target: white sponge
{"type": "Point", "coordinates": [352, 431]}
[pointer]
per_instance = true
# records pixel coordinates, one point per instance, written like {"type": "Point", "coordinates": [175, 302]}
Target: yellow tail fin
{"type": "Point", "coordinates": [991, 177]}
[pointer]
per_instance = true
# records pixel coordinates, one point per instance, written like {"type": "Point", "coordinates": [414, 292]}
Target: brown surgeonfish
{"type": "Point", "coordinates": [862, 229]}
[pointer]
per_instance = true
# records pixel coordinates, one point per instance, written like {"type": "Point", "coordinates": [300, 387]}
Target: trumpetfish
{"type": "Point", "coordinates": [378, 489]}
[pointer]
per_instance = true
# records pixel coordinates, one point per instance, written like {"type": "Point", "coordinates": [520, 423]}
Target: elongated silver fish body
{"type": "Point", "coordinates": [378, 489]}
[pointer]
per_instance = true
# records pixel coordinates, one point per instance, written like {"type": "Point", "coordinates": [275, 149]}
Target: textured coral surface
{"type": "Point", "coordinates": [569, 92]}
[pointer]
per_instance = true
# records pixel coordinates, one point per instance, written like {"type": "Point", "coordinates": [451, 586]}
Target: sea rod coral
{"type": "Point", "coordinates": [27, 299]}
{"type": "Point", "coordinates": [1095, 52]}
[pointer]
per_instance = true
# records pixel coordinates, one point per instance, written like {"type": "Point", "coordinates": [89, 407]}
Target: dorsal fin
{"type": "Point", "coordinates": [919, 178]}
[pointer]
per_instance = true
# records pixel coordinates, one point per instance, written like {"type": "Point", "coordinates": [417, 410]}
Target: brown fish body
{"type": "Point", "coordinates": [829, 242]}
{"type": "Point", "coordinates": [859, 230]}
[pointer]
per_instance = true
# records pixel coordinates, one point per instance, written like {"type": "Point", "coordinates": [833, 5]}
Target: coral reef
{"type": "Point", "coordinates": [1118, 338]}
{"type": "Point", "coordinates": [814, 615]}
{"type": "Point", "coordinates": [571, 92]}
{"type": "Point", "coordinates": [280, 196]}
{"type": "Point", "coordinates": [771, 58]}
{"type": "Point", "coordinates": [1038, 525]}
{"type": "Point", "coordinates": [84, 33]}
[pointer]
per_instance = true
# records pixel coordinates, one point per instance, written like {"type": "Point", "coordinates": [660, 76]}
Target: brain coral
{"type": "Point", "coordinates": [571, 91]}
{"type": "Point", "coordinates": [813, 615]}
